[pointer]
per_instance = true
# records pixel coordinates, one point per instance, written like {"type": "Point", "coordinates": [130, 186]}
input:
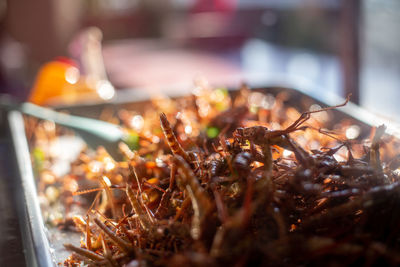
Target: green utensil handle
{"type": "Point", "coordinates": [104, 130]}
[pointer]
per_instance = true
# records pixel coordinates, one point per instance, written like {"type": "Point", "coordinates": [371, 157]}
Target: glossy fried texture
{"type": "Point", "coordinates": [257, 186]}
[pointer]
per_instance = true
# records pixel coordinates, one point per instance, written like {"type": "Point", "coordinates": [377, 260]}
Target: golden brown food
{"type": "Point", "coordinates": [211, 180]}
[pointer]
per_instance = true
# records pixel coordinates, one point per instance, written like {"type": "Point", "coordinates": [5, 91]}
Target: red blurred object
{"type": "Point", "coordinates": [210, 25]}
{"type": "Point", "coordinates": [223, 6]}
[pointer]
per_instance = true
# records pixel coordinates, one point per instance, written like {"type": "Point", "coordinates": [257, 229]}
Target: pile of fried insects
{"type": "Point", "coordinates": [216, 180]}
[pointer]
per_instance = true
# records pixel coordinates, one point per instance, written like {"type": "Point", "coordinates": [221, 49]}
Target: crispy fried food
{"type": "Point", "coordinates": [219, 182]}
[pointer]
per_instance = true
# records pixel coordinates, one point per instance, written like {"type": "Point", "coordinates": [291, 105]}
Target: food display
{"type": "Point", "coordinates": [226, 179]}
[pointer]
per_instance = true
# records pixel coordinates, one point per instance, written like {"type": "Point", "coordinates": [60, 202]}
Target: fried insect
{"type": "Point", "coordinates": [163, 206]}
{"type": "Point", "coordinates": [124, 245]}
{"type": "Point", "coordinates": [261, 135]}
{"type": "Point", "coordinates": [84, 252]}
{"type": "Point", "coordinates": [237, 196]}
{"type": "Point", "coordinates": [200, 201]}
{"type": "Point", "coordinates": [143, 217]}
{"type": "Point", "coordinates": [173, 143]}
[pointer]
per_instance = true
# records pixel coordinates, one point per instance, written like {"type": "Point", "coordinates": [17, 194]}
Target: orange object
{"type": "Point", "coordinates": [59, 79]}
{"type": "Point", "coordinates": [53, 80]}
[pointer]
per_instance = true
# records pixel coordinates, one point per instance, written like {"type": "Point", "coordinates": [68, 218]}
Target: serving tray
{"type": "Point", "coordinates": [43, 244]}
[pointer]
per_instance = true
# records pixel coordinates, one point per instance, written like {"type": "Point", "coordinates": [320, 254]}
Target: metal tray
{"type": "Point", "coordinates": [41, 252]}
{"type": "Point", "coordinates": [22, 202]}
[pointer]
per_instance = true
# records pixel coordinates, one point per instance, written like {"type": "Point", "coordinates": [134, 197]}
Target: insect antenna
{"type": "Point", "coordinates": [173, 143]}
{"type": "Point", "coordinates": [307, 114]}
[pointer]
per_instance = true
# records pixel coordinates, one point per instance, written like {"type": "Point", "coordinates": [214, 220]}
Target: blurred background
{"type": "Point", "coordinates": [73, 48]}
